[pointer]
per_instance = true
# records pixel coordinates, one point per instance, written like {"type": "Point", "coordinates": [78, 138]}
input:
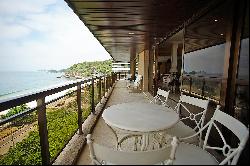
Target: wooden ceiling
{"type": "Point", "coordinates": [210, 29]}
{"type": "Point", "coordinates": [121, 25]}
{"type": "Point", "coordinates": [205, 31]}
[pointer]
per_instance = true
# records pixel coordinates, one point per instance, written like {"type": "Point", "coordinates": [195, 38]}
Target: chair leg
{"type": "Point", "coordinates": [135, 143]}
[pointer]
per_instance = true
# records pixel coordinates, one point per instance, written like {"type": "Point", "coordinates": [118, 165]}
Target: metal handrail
{"type": "Point", "coordinates": [204, 80]}
{"type": "Point", "coordinates": [19, 100]}
{"type": "Point", "coordinates": [40, 95]}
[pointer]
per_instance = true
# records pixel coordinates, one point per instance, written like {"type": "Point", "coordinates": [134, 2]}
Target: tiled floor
{"type": "Point", "coordinates": [101, 133]}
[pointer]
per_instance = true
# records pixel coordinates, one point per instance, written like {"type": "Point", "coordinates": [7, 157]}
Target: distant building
{"type": "Point", "coordinates": [120, 67]}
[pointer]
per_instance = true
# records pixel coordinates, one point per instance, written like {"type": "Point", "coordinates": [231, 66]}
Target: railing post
{"type": "Point", "coordinates": [203, 88]}
{"type": "Point", "coordinates": [106, 83]}
{"type": "Point", "coordinates": [79, 110]}
{"type": "Point", "coordinates": [93, 96]}
{"type": "Point", "coordinates": [190, 85]}
{"type": "Point", "coordinates": [43, 131]}
{"type": "Point", "coordinates": [100, 89]}
{"type": "Point", "coordinates": [103, 86]}
{"type": "Point", "coordinates": [119, 75]}
{"type": "Point", "coordinates": [113, 79]}
{"type": "Point", "coordinates": [109, 82]}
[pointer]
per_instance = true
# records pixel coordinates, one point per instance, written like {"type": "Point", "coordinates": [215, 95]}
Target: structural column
{"type": "Point", "coordinates": [150, 71]}
{"type": "Point", "coordinates": [156, 69]}
{"type": "Point", "coordinates": [132, 62]}
{"type": "Point", "coordinates": [174, 58]}
{"type": "Point", "coordinates": [146, 72]}
{"type": "Point", "coordinates": [143, 64]}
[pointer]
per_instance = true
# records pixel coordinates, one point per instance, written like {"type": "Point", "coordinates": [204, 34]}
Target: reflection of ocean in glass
{"type": "Point", "coordinates": [14, 83]}
{"type": "Point", "coordinates": [244, 60]}
{"type": "Point", "coordinates": [242, 95]}
{"type": "Point", "coordinates": [208, 61]}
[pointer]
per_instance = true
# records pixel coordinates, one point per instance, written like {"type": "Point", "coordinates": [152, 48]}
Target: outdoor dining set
{"type": "Point", "coordinates": [160, 135]}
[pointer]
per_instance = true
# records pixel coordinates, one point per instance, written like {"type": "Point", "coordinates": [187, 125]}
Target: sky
{"type": "Point", "coordinates": [43, 35]}
{"type": "Point", "coordinates": [209, 60]}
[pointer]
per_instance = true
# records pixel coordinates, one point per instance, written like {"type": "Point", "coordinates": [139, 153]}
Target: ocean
{"type": "Point", "coordinates": [15, 83]}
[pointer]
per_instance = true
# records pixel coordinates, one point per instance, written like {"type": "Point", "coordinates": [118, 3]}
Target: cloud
{"type": "Point", "coordinates": [210, 60]}
{"type": "Point", "coordinates": [15, 7]}
{"type": "Point", "coordinates": [13, 31]}
{"type": "Point", "coordinates": [48, 36]}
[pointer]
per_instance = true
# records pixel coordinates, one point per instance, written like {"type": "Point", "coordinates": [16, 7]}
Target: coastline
{"type": "Point", "coordinates": [33, 104]}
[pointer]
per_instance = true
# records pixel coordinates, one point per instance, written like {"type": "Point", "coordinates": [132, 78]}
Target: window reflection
{"type": "Point", "coordinates": [242, 89]}
{"type": "Point", "coordinates": [205, 66]}
{"type": "Point", "coordinates": [208, 61]}
{"type": "Point", "coordinates": [244, 60]}
{"type": "Point", "coordinates": [242, 92]}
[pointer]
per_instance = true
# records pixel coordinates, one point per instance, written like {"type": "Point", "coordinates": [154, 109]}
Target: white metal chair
{"type": "Point", "coordinates": [183, 130]}
{"type": "Point", "coordinates": [136, 84]}
{"type": "Point", "coordinates": [158, 97]}
{"type": "Point", "coordinates": [128, 79]}
{"type": "Point", "coordinates": [189, 154]}
{"type": "Point", "coordinates": [166, 79]}
{"type": "Point", "coordinates": [101, 155]}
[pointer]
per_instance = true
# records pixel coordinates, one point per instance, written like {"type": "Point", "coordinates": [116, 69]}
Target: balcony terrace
{"type": "Point", "coordinates": [204, 44]}
{"type": "Point", "coordinates": [102, 133]}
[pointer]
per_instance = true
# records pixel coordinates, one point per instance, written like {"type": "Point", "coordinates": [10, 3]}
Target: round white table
{"type": "Point", "coordinates": [140, 117]}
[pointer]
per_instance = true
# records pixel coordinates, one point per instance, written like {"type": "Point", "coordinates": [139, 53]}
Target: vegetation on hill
{"type": "Point", "coordinates": [86, 69]}
{"type": "Point", "coordinates": [14, 111]}
{"type": "Point", "coordinates": [62, 120]}
{"type": "Point", "coordinates": [62, 124]}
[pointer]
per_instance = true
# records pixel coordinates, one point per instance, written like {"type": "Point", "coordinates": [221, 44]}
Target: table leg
{"type": "Point", "coordinates": [145, 142]}
{"type": "Point", "coordinates": [116, 137]}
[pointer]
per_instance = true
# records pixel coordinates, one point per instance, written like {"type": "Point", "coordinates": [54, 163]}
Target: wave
{"type": "Point", "coordinates": [12, 92]}
{"type": "Point", "coordinates": [29, 90]}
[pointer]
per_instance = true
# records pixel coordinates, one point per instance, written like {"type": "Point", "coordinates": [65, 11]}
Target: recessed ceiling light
{"type": "Point", "coordinates": [215, 20]}
{"type": "Point", "coordinates": [131, 33]}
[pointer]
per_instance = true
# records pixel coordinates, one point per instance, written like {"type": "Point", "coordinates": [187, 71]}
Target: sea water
{"type": "Point", "coordinates": [16, 83]}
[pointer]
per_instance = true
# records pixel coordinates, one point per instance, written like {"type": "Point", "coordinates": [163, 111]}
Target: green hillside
{"type": "Point", "coordinates": [86, 69]}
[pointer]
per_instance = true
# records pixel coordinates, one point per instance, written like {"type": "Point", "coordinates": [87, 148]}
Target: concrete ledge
{"type": "Point", "coordinates": [71, 152]}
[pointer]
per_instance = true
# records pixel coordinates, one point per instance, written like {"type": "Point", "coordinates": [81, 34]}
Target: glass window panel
{"type": "Point", "coordinates": [242, 89]}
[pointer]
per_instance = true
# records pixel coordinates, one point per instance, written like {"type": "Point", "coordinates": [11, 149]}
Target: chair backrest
{"type": "Point", "coordinates": [162, 93]}
{"type": "Point", "coordinates": [104, 155]}
{"type": "Point", "coordinates": [166, 79]}
{"type": "Point", "coordinates": [128, 76]}
{"type": "Point", "coordinates": [236, 127]}
{"type": "Point", "coordinates": [199, 117]}
{"type": "Point", "coordinates": [138, 80]}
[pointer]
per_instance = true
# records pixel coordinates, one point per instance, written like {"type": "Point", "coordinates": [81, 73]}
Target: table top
{"type": "Point", "coordinates": [141, 117]}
